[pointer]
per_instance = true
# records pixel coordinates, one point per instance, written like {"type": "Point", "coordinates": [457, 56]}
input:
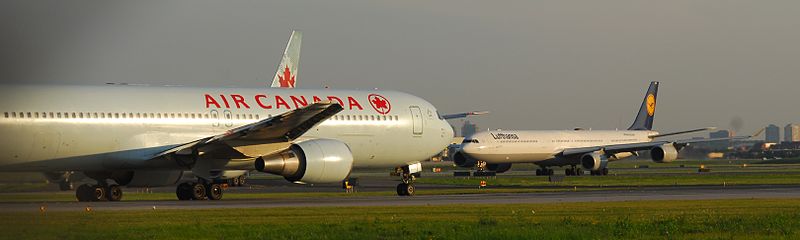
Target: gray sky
{"type": "Point", "coordinates": [533, 64]}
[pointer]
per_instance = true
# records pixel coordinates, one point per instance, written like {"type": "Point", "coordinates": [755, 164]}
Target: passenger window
{"type": "Point", "coordinates": [257, 116]}
{"type": "Point", "coordinates": [29, 114]}
{"type": "Point", "coordinates": [6, 114]}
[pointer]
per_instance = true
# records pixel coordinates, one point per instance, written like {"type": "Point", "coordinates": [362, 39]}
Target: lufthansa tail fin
{"type": "Point", "coordinates": [286, 76]}
{"type": "Point", "coordinates": [644, 120]}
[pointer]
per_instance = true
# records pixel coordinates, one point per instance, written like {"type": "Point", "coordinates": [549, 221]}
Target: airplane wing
{"type": "Point", "coordinates": [683, 132]}
{"type": "Point", "coordinates": [463, 115]}
{"type": "Point", "coordinates": [633, 147]}
{"type": "Point", "coordinates": [281, 128]}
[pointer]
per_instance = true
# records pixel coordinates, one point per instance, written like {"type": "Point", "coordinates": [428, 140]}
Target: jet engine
{"type": "Point", "coordinates": [312, 161]}
{"type": "Point", "coordinates": [664, 153]}
{"type": "Point", "coordinates": [499, 168]}
{"type": "Point", "coordinates": [462, 160]}
{"type": "Point", "coordinates": [594, 161]}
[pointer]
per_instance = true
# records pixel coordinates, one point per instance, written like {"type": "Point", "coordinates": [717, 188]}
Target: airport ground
{"type": "Point", "coordinates": [739, 199]}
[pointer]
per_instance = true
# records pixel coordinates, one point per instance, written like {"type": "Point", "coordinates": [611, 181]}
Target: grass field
{"type": "Point", "coordinates": [625, 180]}
{"type": "Point", "coordinates": [710, 219]}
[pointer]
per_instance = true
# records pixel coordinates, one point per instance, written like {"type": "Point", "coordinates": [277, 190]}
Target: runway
{"type": "Point", "coordinates": [657, 193]}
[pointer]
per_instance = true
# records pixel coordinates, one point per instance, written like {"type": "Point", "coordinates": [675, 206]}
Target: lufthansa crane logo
{"type": "Point", "coordinates": [380, 103]}
{"type": "Point", "coordinates": [651, 104]}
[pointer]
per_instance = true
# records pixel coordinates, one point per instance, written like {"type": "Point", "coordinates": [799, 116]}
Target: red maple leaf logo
{"type": "Point", "coordinates": [380, 103]}
{"type": "Point", "coordinates": [287, 80]}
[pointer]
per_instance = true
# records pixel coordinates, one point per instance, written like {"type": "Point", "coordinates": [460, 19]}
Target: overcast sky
{"type": "Point", "coordinates": [533, 64]}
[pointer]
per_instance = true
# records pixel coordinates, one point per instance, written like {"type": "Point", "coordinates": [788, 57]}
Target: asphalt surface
{"type": "Point", "coordinates": [656, 193]}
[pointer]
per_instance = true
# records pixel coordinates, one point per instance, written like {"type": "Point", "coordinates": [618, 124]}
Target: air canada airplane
{"type": "Point", "coordinates": [498, 150]}
{"type": "Point", "coordinates": [146, 136]}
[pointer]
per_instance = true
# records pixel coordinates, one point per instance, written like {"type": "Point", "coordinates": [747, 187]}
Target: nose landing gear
{"type": "Point", "coordinates": [407, 175]}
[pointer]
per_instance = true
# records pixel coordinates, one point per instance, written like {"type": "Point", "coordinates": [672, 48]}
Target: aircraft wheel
{"type": "Point", "coordinates": [578, 172]}
{"type": "Point", "coordinates": [242, 180]}
{"type": "Point", "coordinates": [184, 191]}
{"type": "Point", "coordinates": [539, 172]}
{"type": "Point", "coordinates": [605, 171]}
{"type": "Point", "coordinates": [99, 193]}
{"type": "Point", "coordinates": [235, 182]}
{"type": "Point", "coordinates": [569, 172]}
{"type": "Point", "coordinates": [402, 189]}
{"type": "Point", "coordinates": [84, 193]}
{"type": "Point", "coordinates": [114, 193]}
{"type": "Point", "coordinates": [198, 191]}
{"type": "Point", "coordinates": [214, 192]}
{"type": "Point", "coordinates": [410, 190]}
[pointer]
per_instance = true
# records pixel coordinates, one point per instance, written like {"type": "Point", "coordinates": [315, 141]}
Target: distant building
{"type": "Point", "coordinates": [773, 134]}
{"type": "Point", "coordinates": [720, 134]}
{"type": "Point", "coordinates": [791, 133]}
{"type": "Point", "coordinates": [721, 144]}
{"type": "Point", "coordinates": [468, 129]}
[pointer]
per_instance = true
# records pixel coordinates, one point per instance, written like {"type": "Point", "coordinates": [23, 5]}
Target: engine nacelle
{"type": "Point", "coordinates": [499, 168]}
{"type": "Point", "coordinates": [594, 161]}
{"type": "Point", "coordinates": [147, 178]}
{"type": "Point", "coordinates": [462, 160]}
{"type": "Point", "coordinates": [312, 161]}
{"type": "Point", "coordinates": [664, 153]}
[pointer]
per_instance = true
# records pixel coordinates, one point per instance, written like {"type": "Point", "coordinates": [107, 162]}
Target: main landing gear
{"type": "Point", "coordinates": [544, 172]}
{"type": "Point", "coordinates": [407, 175]}
{"type": "Point", "coordinates": [573, 171]}
{"type": "Point", "coordinates": [98, 192]}
{"type": "Point", "coordinates": [600, 172]}
{"type": "Point", "coordinates": [200, 190]}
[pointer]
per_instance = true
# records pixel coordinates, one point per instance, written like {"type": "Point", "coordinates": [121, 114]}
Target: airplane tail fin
{"type": "Point", "coordinates": [286, 76]}
{"type": "Point", "coordinates": [644, 120]}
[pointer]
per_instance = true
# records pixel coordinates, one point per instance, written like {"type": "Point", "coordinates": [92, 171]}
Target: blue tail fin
{"type": "Point", "coordinates": [644, 120]}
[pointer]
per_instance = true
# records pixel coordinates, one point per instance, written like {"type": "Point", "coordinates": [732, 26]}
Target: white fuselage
{"type": "Point", "coordinates": [58, 128]}
{"type": "Point", "coordinates": [508, 146]}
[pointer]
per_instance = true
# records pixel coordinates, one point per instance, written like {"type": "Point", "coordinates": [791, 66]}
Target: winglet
{"type": "Point", "coordinates": [286, 75]}
{"type": "Point", "coordinates": [644, 120]}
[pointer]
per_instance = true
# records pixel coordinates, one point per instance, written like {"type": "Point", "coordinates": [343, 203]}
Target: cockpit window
{"type": "Point", "coordinates": [470, 141]}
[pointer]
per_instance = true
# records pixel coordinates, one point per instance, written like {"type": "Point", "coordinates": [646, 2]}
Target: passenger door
{"type": "Point", "coordinates": [416, 119]}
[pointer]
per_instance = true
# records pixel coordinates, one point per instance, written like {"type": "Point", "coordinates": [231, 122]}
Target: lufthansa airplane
{"type": "Point", "coordinates": [142, 136]}
{"type": "Point", "coordinates": [497, 150]}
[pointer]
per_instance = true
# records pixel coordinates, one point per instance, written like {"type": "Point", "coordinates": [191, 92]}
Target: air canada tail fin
{"type": "Point", "coordinates": [286, 76]}
{"type": "Point", "coordinates": [644, 120]}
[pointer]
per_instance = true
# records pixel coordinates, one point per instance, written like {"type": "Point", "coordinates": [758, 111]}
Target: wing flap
{"type": "Point", "coordinates": [278, 129]}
